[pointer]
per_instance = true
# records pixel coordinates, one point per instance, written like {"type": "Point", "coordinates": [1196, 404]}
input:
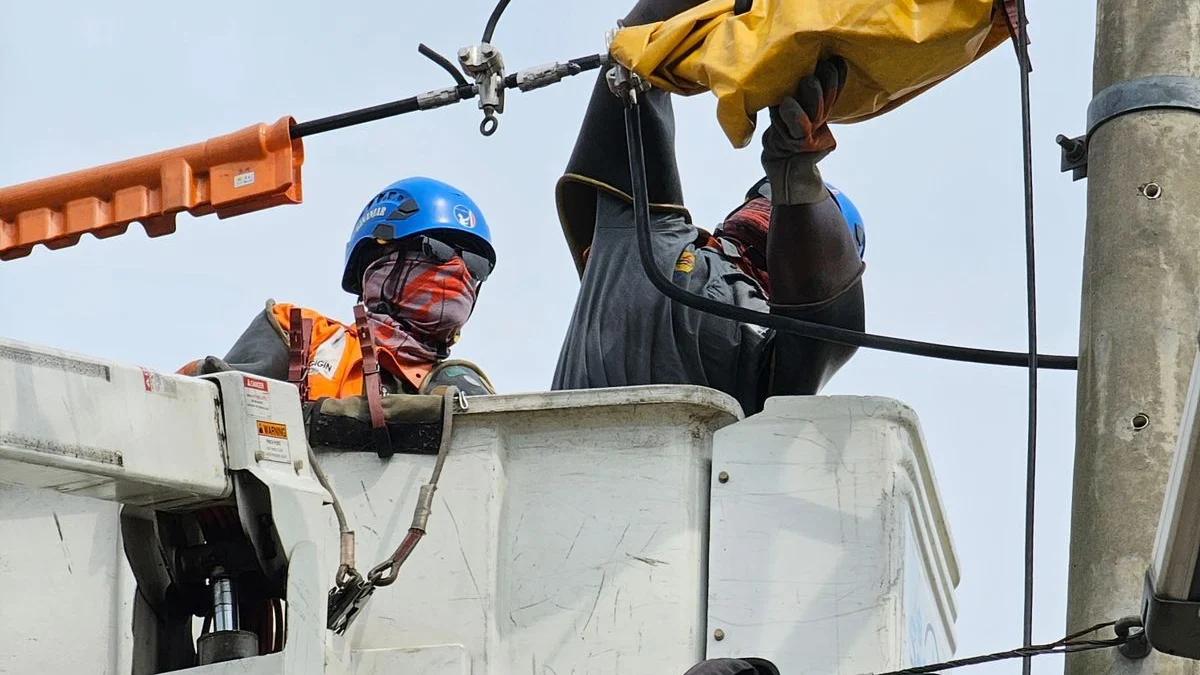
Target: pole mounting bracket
{"type": "Point", "coordinates": [1157, 92]}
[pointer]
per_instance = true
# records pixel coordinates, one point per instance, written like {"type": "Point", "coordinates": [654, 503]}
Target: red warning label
{"type": "Point", "coordinates": [251, 383]}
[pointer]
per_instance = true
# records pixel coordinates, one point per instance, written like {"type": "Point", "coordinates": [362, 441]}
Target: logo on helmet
{"type": "Point", "coordinates": [373, 213]}
{"type": "Point", "coordinates": [464, 216]}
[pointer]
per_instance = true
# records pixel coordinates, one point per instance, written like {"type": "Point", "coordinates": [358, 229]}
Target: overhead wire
{"type": "Point", "coordinates": [1066, 645]}
{"type": "Point", "coordinates": [1031, 311]}
{"type": "Point", "coordinates": [494, 19]}
{"type": "Point", "coordinates": [807, 329]}
{"type": "Point", "coordinates": [442, 61]}
{"type": "Point", "coordinates": [817, 331]}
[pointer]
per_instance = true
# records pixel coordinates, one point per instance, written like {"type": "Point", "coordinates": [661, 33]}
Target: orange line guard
{"type": "Point", "coordinates": [248, 170]}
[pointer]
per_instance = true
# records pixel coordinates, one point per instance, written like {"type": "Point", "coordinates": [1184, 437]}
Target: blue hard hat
{"type": "Point", "coordinates": [853, 218]}
{"type": "Point", "coordinates": [849, 211]}
{"type": "Point", "coordinates": [415, 206]}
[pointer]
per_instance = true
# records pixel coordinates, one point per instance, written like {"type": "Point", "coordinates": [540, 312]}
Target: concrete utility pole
{"type": "Point", "coordinates": [1140, 317]}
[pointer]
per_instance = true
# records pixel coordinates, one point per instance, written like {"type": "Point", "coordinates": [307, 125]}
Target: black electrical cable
{"type": "Point", "coordinates": [465, 91]}
{"type": "Point", "coordinates": [494, 19]}
{"type": "Point", "coordinates": [816, 331]}
{"type": "Point", "coordinates": [1067, 645]}
{"type": "Point", "coordinates": [349, 119]}
{"type": "Point", "coordinates": [1031, 304]}
{"type": "Point", "coordinates": [442, 61]}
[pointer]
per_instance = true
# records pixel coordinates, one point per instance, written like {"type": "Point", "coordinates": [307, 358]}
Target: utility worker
{"type": "Point", "coordinates": [416, 259]}
{"type": "Point", "coordinates": [794, 247]}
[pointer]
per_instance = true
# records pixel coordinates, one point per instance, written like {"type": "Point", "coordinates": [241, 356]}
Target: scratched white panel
{"type": "Point", "coordinates": [63, 581]}
{"type": "Point", "coordinates": [435, 660]}
{"type": "Point", "coordinates": [107, 430]}
{"type": "Point", "coordinates": [567, 535]}
{"type": "Point", "coordinates": [829, 552]}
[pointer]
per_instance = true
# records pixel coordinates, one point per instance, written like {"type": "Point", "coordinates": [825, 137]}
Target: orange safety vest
{"type": "Point", "coordinates": [335, 359]}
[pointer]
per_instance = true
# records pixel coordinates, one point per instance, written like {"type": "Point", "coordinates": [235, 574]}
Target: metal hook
{"type": "Point", "coordinates": [489, 125]}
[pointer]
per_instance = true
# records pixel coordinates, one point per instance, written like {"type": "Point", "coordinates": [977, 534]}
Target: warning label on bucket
{"type": "Point", "coordinates": [272, 441]}
{"type": "Point", "coordinates": [258, 397]}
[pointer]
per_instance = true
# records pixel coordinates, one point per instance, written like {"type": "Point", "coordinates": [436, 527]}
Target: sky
{"type": "Point", "coordinates": [938, 182]}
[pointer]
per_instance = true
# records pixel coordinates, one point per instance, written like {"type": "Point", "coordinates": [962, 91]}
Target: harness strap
{"type": "Point", "coordinates": [299, 344]}
{"type": "Point", "coordinates": [372, 385]}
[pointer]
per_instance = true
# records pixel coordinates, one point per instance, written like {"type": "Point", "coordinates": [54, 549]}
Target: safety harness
{"type": "Point", "coordinates": [372, 385]}
{"type": "Point", "coordinates": [299, 355]}
{"type": "Point", "coordinates": [299, 342]}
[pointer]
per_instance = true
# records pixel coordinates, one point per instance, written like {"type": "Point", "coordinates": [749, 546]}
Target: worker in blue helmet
{"type": "Point", "coordinates": [416, 258]}
{"type": "Point", "coordinates": [793, 246]}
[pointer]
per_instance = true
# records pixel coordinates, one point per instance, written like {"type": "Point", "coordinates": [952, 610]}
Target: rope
{"type": "Point", "coordinates": [385, 573]}
{"type": "Point", "coordinates": [346, 569]}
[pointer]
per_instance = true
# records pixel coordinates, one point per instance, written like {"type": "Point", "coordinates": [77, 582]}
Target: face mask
{"type": "Point", "coordinates": [417, 306]}
{"type": "Point", "coordinates": [747, 228]}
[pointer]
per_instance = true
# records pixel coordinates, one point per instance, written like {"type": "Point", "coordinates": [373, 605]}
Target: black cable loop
{"type": "Point", "coordinates": [816, 331]}
{"type": "Point", "coordinates": [444, 62]}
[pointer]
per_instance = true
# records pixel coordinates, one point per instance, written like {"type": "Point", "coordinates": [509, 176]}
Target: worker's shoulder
{"type": "Point", "coordinates": [281, 314]}
{"type": "Point", "coordinates": [467, 376]}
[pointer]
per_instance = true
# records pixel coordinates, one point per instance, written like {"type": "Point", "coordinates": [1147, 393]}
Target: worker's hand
{"type": "Point", "coordinates": [799, 136]}
{"type": "Point", "coordinates": [649, 11]}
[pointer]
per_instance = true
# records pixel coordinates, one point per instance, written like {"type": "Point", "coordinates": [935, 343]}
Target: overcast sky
{"type": "Point", "coordinates": [938, 182]}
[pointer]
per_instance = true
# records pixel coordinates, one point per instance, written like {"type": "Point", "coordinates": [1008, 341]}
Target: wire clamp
{"type": "Point", "coordinates": [623, 82]}
{"type": "Point", "coordinates": [484, 63]}
{"type": "Point", "coordinates": [1158, 92]}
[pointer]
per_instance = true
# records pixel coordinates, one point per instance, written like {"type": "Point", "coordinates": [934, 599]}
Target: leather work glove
{"type": "Point", "coordinates": [799, 136]}
{"type": "Point", "coordinates": [414, 423]}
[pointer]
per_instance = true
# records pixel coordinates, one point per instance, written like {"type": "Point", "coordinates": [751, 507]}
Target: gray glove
{"type": "Point", "coordinates": [799, 136]}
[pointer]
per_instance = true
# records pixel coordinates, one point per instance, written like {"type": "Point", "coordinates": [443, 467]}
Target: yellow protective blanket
{"type": "Point", "coordinates": [894, 49]}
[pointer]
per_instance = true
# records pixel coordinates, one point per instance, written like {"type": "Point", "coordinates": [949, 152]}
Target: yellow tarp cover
{"type": "Point", "coordinates": [894, 49]}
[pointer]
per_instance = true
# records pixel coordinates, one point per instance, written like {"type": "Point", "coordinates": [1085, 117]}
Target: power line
{"type": "Point", "coordinates": [1070, 644]}
{"type": "Point", "coordinates": [1031, 304]}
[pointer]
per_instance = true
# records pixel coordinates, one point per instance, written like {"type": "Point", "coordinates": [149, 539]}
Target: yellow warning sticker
{"type": "Point", "coordinates": [273, 442]}
{"type": "Point", "coordinates": [272, 430]}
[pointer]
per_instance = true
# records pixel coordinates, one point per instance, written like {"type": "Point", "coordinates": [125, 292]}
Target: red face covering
{"type": "Point", "coordinates": [747, 228]}
{"type": "Point", "coordinates": [417, 306]}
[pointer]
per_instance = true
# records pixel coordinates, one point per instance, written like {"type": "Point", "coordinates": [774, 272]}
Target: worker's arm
{"type": "Point", "coordinates": [260, 350]}
{"type": "Point", "coordinates": [811, 255]}
{"type": "Point", "coordinates": [649, 11]}
{"type": "Point", "coordinates": [600, 152]}
{"type": "Point", "coordinates": [812, 259]}
{"type": "Point", "coordinates": [599, 162]}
